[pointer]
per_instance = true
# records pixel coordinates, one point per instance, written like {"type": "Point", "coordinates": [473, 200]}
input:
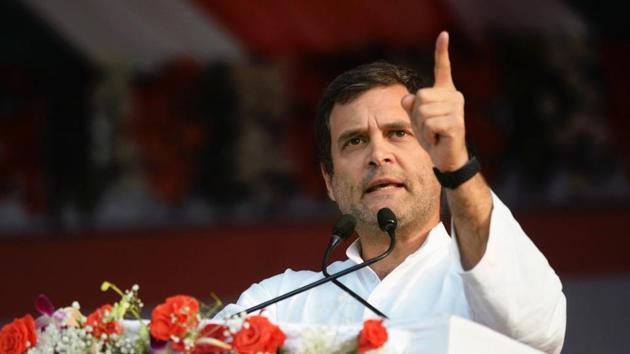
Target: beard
{"type": "Point", "coordinates": [418, 206]}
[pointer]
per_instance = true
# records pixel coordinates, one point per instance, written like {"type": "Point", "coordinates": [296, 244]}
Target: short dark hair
{"type": "Point", "coordinates": [348, 87]}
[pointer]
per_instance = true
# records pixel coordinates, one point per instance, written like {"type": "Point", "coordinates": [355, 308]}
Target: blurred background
{"type": "Point", "coordinates": [170, 143]}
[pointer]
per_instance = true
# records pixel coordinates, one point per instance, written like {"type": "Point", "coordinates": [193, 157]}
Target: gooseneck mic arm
{"type": "Point", "coordinates": [341, 231]}
{"type": "Point", "coordinates": [387, 224]}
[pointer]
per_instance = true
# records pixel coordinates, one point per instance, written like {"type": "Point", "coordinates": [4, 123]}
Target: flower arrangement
{"type": "Point", "coordinates": [176, 326]}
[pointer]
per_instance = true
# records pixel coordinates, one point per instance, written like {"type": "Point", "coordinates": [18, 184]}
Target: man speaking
{"type": "Point", "coordinates": [386, 142]}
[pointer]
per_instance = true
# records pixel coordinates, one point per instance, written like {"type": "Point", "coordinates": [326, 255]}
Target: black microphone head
{"type": "Point", "coordinates": [387, 220]}
{"type": "Point", "coordinates": [344, 227]}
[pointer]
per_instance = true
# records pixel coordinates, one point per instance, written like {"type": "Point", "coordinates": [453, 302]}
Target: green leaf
{"type": "Point", "coordinates": [118, 310]}
{"type": "Point", "coordinates": [143, 342]}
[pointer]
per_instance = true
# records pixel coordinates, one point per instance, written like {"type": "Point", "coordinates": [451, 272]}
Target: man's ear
{"type": "Point", "coordinates": [328, 181]}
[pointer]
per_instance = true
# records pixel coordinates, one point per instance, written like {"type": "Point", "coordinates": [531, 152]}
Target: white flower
{"type": "Point", "coordinates": [315, 341]}
{"type": "Point", "coordinates": [68, 340]}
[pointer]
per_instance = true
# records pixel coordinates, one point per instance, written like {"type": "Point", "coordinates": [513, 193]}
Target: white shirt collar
{"type": "Point", "coordinates": [436, 238]}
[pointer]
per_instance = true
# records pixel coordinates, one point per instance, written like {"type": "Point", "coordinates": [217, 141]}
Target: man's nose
{"type": "Point", "coordinates": [380, 153]}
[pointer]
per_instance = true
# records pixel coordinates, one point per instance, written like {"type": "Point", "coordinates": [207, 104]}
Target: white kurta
{"type": "Point", "coordinates": [512, 290]}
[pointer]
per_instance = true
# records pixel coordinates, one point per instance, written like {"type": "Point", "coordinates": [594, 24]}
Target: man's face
{"type": "Point", "coordinates": [378, 162]}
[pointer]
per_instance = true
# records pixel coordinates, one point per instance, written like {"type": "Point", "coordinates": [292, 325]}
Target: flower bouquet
{"type": "Point", "coordinates": [179, 325]}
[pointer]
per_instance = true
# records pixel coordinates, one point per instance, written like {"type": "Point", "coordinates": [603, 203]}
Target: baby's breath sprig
{"type": "Point", "coordinates": [129, 303]}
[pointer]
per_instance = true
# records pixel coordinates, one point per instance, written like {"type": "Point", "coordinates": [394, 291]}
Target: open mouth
{"type": "Point", "coordinates": [386, 185]}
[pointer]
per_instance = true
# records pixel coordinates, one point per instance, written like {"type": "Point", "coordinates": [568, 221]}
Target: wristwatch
{"type": "Point", "coordinates": [454, 179]}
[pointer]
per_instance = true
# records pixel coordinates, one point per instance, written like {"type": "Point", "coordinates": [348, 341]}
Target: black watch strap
{"type": "Point", "coordinates": [454, 179]}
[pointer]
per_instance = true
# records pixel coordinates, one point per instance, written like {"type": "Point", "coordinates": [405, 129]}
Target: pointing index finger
{"type": "Point", "coordinates": [442, 69]}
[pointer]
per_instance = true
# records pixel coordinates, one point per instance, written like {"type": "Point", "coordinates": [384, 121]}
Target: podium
{"type": "Point", "coordinates": [435, 335]}
{"type": "Point", "coordinates": [455, 335]}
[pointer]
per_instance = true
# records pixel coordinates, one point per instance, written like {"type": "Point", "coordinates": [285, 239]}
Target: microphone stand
{"type": "Point", "coordinates": [332, 277]}
{"type": "Point", "coordinates": [345, 288]}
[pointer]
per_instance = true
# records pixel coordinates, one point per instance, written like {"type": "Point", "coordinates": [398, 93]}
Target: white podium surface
{"type": "Point", "coordinates": [437, 335]}
{"type": "Point", "coordinates": [455, 335]}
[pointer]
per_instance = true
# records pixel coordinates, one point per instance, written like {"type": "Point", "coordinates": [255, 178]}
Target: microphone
{"type": "Point", "coordinates": [341, 231]}
{"type": "Point", "coordinates": [387, 220]}
{"type": "Point", "coordinates": [389, 216]}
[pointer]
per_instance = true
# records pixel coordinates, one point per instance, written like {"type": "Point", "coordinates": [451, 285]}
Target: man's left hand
{"type": "Point", "coordinates": [437, 118]}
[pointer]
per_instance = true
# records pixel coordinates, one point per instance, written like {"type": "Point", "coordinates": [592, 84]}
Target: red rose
{"type": "Point", "coordinates": [372, 336]}
{"type": "Point", "coordinates": [177, 316]}
{"type": "Point", "coordinates": [100, 324]}
{"type": "Point", "coordinates": [211, 331]}
{"type": "Point", "coordinates": [18, 336]}
{"type": "Point", "coordinates": [260, 336]}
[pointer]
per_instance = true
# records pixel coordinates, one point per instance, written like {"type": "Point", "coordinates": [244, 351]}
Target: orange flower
{"type": "Point", "coordinates": [177, 316]}
{"type": "Point", "coordinates": [372, 336]}
{"type": "Point", "coordinates": [102, 325]}
{"type": "Point", "coordinates": [18, 336]}
{"type": "Point", "coordinates": [258, 335]}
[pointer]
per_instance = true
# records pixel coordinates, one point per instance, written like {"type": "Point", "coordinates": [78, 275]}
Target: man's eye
{"type": "Point", "coordinates": [354, 141]}
{"type": "Point", "coordinates": [399, 133]}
